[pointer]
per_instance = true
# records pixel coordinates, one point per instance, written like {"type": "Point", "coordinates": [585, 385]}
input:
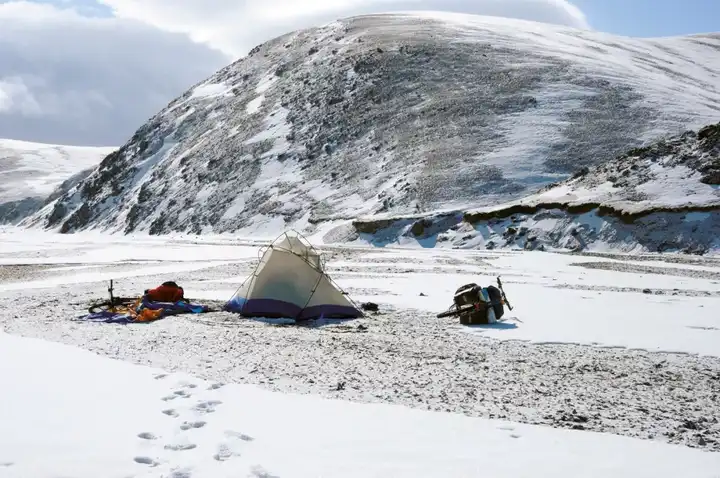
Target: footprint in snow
{"type": "Point", "coordinates": [180, 446]}
{"type": "Point", "coordinates": [145, 460]}
{"type": "Point", "coordinates": [171, 413]}
{"type": "Point", "coordinates": [6, 464]}
{"type": "Point", "coordinates": [208, 406]}
{"type": "Point", "coordinates": [515, 435]}
{"type": "Point", "coordinates": [177, 394]}
{"type": "Point", "coordinates": [232, 447]}
{"type": "Point", "coordinates": [160, 376]}
{"type": "Point", "coordinates": [506, 427]}
{"type": "Point", "coordinates": [259, 472]}
{"type": "Point", "coordinates": [147, 436]}
{"type": "Point", "coordinates": [183, 473]}
{"type": "Point", "coordinates": [186, 385]}
{"type": "Point", "coordinates": [238, 435]}
{"type": "Point", "coordinates": [190, 425]}
{"type": "Point", "coordinates": [215, 386]}
{"type": "Point", "coordinates": [225, 452]}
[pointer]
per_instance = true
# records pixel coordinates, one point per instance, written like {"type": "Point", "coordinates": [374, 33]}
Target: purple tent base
{"type": "Point", "coordinates": [272, 308]}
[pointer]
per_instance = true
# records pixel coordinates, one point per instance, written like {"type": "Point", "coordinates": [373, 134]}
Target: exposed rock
{"type": "Point", "coordinates": [399, 114]}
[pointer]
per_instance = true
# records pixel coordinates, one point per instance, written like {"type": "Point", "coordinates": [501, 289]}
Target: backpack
{"type": "Point", "coordinates": [167, 292]}
{"type": "Point", "coordinates": [483, 299]}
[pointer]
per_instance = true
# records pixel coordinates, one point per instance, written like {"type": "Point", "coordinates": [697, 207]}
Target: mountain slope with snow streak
{"type": "Point", "coordinates": [393, 114]}
{"type": "Point", "coordinates": [31, 172]}
{"type": "Point", "coordinates": [663, 197]}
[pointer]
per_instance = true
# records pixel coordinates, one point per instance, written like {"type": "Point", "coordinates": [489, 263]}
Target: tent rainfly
{"type": "Point", "coordinates": [290, 282]}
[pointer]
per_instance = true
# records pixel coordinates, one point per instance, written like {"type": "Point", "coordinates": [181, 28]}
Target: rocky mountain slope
{"type": "Point", "coordinates": [392, 114]}
{"type": "Point", "coordinates": [33, 174]}
{"type": "Point", "coordinates": [663, 197]}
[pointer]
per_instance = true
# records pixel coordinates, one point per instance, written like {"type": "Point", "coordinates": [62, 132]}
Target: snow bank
{"type": "Point", "coordinates": [133, 421]}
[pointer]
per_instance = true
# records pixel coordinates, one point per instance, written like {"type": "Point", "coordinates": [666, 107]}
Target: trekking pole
{"type": "Point", "coordinates": [502, 291]}
{"type": "Point", "coordinates": [110, 291]}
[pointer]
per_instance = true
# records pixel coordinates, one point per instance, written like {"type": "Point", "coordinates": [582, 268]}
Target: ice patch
{"type": "Point", "coordinates": [236, 208]}
{"type": "Point", "coordinates": [265, 83]}
{"type": "Point", "coordinates": [276, 128]}
{"type": "Point", "coordinates": [210, 90]}
{"type": "Point", "coordinates": [204, 194]}
{"type": "Point", "coordinates": [180, 119]}
{"type": "Point", "coordinates": [254, 106]}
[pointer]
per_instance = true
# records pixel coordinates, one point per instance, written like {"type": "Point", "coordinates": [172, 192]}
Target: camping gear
{"type": "Point", "coordinates": [144, 308]}
{"type": "Point", "coordinates": [476, 305]}
{"type": "Point", "coordinates": [369, 306]}
{"type": "Point", "coordinates": [290, 282]}
{"type": "Point", "coordinates": [502, 292]}
{"type": "Point", "coordinates": [167, 292]}
{"type": "Point", "coordinates": [113, 302]}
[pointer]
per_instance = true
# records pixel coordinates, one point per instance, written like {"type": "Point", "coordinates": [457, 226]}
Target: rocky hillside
{"type": "Point", "coordinates": [663, 197]}
{"type": "Point", "coordinates": [392, 114]}
{"type": "Point", "coordinates": [33, 174]}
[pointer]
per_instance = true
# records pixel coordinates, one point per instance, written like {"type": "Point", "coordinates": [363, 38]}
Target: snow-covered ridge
{"type": "Point", "coordinates": [32, 172]}
{"type": "Point", "coordinates": [662, 197]}
{"type": "Point", "coordinates": [392, 114]}
{"type": "Point", "coordinates": [674, 174]}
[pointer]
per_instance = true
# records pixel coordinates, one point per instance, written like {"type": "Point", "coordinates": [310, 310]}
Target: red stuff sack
{"type": "Point", "coordinates": [167, 292]}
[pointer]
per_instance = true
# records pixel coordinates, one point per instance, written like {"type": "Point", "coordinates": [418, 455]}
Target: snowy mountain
{"type": "Point", "coordinates": [663, 197]}
{"type": "Point", "coordinates": [393, 114]}
{"type": "Point", "coordinates": [30, 173]}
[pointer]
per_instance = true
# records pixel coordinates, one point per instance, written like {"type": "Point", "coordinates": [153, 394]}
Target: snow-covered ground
{"type": "Point", "coordinates": [559, 298]}
{"type": "Point", "coordinates": [36, 170]}
{"type": "Point", "coordinates": [627, 345]}
{"type": "Point", "coordinates": [68, 412]}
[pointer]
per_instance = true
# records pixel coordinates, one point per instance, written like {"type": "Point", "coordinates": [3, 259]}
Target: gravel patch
{"type": "Point", "coordinates": [706, 260]}
{"type": "Point", "coordinates": [636, 290]}
{"type": "Point", "coordinates": [398, 356]}
{"type": "Point", "coordinates": [629, 267]}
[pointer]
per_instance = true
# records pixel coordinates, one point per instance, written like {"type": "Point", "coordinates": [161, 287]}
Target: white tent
{"type": "Point", "coordinates": [290, 282]}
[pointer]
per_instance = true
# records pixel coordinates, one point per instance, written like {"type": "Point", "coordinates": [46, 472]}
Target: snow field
{"type": "Point", "coordinates": [527, 369]}
{"type": "Point", "coordinates": [140, 422]}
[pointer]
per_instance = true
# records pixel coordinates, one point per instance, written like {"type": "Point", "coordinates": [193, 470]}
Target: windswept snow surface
{"type": "Point", "coordinates": [67, 412]}
{"type": "Point", "coordinates": [36, 170]}
{"type": "Point", "coordinates": [613, 301]}
{"type": "Point", "coordinates": [628, 345]}
{"type": "Point", "coordinates": [396, 114]}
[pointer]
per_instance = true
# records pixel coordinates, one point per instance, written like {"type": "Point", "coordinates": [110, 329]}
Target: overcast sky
{"type": "Point", "coordinates": [90, 72]}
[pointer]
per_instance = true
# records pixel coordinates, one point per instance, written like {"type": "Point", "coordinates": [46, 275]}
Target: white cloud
{"type": "Point", "coordinates": [66, 78]}
{"type": "Point", "coordinates": [235, 26]}
{"type": "Point", "coordinates": [71, 76]}
{"type": "Point", "coordinates": [15, 96]}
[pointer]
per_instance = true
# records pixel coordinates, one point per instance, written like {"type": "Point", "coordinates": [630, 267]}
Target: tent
{"type": "Point", "coordinates": [290, 282]}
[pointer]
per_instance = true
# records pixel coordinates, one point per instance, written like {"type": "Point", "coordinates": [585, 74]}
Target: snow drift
{"type": "Point", "coordinates": [392, 114]}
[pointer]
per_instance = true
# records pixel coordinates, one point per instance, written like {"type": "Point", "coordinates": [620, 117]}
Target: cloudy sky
{"type": "Point", "coordinates": [90, 72]}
